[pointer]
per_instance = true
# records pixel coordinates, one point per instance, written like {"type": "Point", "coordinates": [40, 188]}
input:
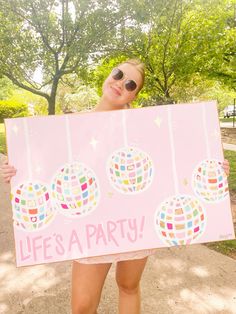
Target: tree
{"type": "Point", "coordinates": [55, 36]}
{"type": "Point", "coordinates": [223, 66]}
{"type": "Point", "coordinates": [178, 39]}
{"type": "Point", "coordinates": [6, 88]}
{"type": "Point", "coordinates": [74, 96]}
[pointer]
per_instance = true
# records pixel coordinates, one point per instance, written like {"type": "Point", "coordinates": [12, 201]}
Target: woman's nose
{"type": "Point", "coordinates": [119, 84]}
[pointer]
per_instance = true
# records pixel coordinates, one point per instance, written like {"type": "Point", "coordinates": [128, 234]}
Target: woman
{"type": "Point", "coordinates": [88, 275]}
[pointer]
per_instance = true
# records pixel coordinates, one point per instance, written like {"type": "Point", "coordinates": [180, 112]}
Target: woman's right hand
{"type": "Point", "coordinates": [8, 172]}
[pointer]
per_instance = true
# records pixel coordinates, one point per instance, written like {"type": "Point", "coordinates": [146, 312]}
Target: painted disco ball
{"type": "Point", "coordinates": [180, 220]}
{"type": "Point", "coordinates": [209, 181]}
{"type": "Point", "coordinates": [75, 190]}
{"type": "Point", "coordinates": [130, 170]}
{"type": "Point", "coordinates": [31, 205]}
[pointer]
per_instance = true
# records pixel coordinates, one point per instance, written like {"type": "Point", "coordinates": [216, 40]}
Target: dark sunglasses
{"type": "Point", "coordinates": [117, 75]}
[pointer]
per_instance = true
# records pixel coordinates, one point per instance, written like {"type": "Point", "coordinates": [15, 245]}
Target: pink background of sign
{"type": "Point", "coordinates": [48, 146]}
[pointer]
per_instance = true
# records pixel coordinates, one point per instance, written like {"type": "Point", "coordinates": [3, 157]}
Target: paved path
{"type": "Point", "coordinates": [228, 124]}
{"type": "Point", "coordinates": [229, 146]}
{"type": "Point", "coordinates": [182, 280]}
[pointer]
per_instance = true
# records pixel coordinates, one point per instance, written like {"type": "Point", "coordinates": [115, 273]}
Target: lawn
{"type": "Point", "coordinates": [2, 139]}
{"type": "Point", "coordinates": [225, 247]}
{"type": "Point", "coordinates": [227, 119]}
{"type": "Point", "coordinates": [231, 156]}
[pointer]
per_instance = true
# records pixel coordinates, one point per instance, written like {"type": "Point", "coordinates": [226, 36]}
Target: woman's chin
{"type": "Point", "coordinates": [113, 100]}
{"type": "Point", "coordinates": [111, 93]}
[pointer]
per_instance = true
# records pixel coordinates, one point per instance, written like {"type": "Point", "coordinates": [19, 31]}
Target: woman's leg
{"type": "Point", "coordinates": [87, 283]}
{"type": "Point", "coordinates": [128, 275]}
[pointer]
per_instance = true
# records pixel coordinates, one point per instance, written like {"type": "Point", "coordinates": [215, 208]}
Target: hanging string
{"type": "Point", "coordinates": [124, 128]}
{"type": "Point", "coordinates": [68, 138]}
{"type": "Point", "coordinates": [28, 153]}
{"type": "Point", "coordinates": [205, 130]}
{"type": "Point", "coordinates": [174, 171]}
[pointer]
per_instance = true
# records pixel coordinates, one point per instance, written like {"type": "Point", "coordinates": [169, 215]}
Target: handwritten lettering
{"type": "Point", "coordinates": [107, 233]}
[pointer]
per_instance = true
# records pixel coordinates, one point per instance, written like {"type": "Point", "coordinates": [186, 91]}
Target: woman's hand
{"type": "Point", "coordinates": [8, 172]}
{"type": "Point", "coordinates": [226, 167]}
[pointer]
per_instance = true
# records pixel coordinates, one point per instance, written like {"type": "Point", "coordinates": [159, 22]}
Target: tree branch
{"type": "Point", "coordinates": [30, 89]}
{"type": "Point", "coordinates": [149, 66]}
{"type": "Point", "coordinates": [167, 44]}
{"type": "Point", "coordinates": [39, 28]}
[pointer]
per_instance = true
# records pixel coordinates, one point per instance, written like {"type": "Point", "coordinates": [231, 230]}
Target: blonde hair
{"type": "Point", "coordinates": [140, 66]}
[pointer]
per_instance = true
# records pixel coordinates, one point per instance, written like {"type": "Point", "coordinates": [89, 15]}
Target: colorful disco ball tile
{"type": "Point", "coordinates": [180, 220]}
{"type": "Point", "coordinates": [31, 205]}
{"type": "Point", "coordinates": [209, 181]}
{"type": "Point", "coordinates": [130, 170]}
{"type": "Point", "coordinates": [76, 182]}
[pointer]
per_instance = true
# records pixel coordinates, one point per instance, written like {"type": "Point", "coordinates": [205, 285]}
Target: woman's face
{"type": "Point", "coordinates": [114, 91]}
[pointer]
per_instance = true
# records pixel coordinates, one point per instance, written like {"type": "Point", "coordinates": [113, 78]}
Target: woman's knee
{"type": "Point", "coordinates": [83, 305]}
{"type": "Point", "coordinates": [128, 275]}
{"type": "Point", "coordinates": [128, 287]}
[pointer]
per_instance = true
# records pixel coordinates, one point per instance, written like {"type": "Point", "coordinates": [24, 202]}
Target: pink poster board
{"type": "Point", "coordinates": [110, 182]}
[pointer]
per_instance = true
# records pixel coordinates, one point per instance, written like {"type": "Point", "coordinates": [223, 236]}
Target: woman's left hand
{"type": "Point", "coordinates": [226, 167]}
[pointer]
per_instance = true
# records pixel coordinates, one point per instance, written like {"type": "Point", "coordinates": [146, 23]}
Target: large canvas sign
{"type": "Point", "coordinates": [117, 181]}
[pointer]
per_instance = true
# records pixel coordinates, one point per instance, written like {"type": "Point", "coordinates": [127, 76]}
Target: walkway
{"type": "Point", "coordinates": [229, 146]}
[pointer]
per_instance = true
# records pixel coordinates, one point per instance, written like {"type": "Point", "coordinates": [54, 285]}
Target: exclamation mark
{"type": "Point", "coordinates": [141, 227]}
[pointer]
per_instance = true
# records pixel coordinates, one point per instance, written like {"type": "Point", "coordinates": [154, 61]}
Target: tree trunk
{"type": "Point", "coordinates": [51, 105]}
{"type": "Point", "coordinates": [167, 95]}
{"type": "Point", "coordinates": [52, 98]}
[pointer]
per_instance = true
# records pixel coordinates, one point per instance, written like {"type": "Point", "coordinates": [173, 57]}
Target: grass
{"type": "Point", "coordinates": [231, 156]}
{"type": "Point", "coordinates": [2, 139]}
{"type": "Point", "coordinates": [224, 247]}
{"type": "Point", "coordinates": [228, 119]}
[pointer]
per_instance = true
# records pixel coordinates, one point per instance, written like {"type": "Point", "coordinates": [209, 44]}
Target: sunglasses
{"type": "Point", "coordinates": [117, 75]}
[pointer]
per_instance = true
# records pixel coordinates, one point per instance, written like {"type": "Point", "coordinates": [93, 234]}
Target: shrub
{"type": "Point", "coordinates": [12, 109]}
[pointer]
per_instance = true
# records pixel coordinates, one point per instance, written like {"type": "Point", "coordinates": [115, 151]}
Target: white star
{"type": "Point", "coordinates": [38, 169]}
{"type": "Point", "coordinates": [15, 129]}
{"type": "Point", "coordinates": [93, 142]}
{"type": "Point", "coordinates": [158, 121]}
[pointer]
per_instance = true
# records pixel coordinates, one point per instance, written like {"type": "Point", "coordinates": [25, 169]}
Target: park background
{"type": "Point", "coordinates": [55, 54]}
